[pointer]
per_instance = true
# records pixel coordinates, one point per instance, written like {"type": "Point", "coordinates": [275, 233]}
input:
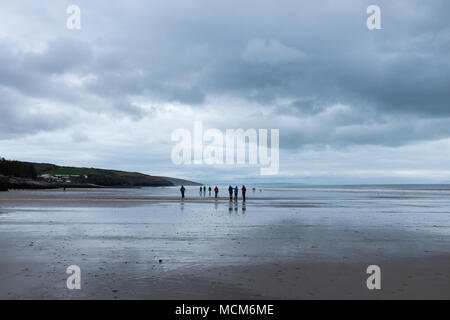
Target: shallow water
{"type": "Point", "coordinates": [275, 224]}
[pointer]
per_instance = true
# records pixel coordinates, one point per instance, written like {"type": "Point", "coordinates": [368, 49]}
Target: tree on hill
{"type": "Point", "coordinates": [17, 169]}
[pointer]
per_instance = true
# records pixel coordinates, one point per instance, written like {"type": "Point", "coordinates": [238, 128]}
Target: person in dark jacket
{"type": "Point", "coordinates": [182, 189]}
{"type": "Point", "coordinates": [216, 192]}
{"type": "Point", "coordinates": [230, 191]}
{"type": "Point", "coordinates": [244, 190]}
{"type": "Point", "coordinates": [236, 191]}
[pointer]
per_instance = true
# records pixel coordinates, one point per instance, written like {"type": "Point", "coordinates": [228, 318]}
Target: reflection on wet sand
{"type": "Point", "coordinates": [122, 235]}
{"type": "Point", "coordinates": [234, 206]}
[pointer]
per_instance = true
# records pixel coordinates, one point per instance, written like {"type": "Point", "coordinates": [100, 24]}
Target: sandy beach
{"type": "Point", "coordinates": [297, 243]}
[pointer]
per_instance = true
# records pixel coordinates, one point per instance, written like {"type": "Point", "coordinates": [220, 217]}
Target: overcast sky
{"type": "Point", "coordinates": [353, 105]}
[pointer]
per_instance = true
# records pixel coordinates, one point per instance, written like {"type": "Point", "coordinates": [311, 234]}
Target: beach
{"type": "Point", "coordinates": [302, 242]}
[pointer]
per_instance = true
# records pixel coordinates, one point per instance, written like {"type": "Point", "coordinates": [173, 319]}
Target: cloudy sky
{"type": "Point", "coordinates": [353, 105]}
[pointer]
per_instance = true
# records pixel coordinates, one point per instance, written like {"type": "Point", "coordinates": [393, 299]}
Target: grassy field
{"type": "Point", "coordinates": [73, 171]}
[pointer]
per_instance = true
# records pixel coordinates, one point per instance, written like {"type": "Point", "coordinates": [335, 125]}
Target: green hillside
{"type": "Point", "coordinates": [73, 171]}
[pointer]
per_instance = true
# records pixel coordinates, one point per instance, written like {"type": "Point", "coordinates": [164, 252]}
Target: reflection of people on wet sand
{"type": "Point", "coordinates": [236, 191]}
{"type": "Point", "coordinates": [216, 191]}
{"type": "Point", "coordinates": [182, 189]}
{"type": "Point", "coordinates": [244, 190]}
{"type": "Point", "coordinates": [230, 191]}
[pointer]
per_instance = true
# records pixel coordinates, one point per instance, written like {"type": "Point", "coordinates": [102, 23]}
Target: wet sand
{"type": "Point", "coordinates": [136, 245]}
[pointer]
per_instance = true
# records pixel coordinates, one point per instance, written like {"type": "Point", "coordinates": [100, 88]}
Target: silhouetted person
{"type": "Point", "coordinates": [230, 191]}
{"type": "Point", "coordinates": [236, 191]}
{"type": "Point", "coordinates": [182, 189]}
{"type": "Point", "coordinates": [216, 191]}
{"type": "Point", "coordinates": [209, 189]}
{"type": "Point", "coordinates": [204, 189]}
{"type": "Point", "coordinates": [201, 190]}
{"type": "Point", "coordinates": [244, 190]}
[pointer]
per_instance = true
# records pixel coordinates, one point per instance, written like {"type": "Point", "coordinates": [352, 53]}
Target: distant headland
{"type": "Point", "coordinates": [29, 175]}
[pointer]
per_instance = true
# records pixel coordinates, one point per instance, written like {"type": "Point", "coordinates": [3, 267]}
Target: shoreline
{"type": "Point", "coordinates": [84, 198]}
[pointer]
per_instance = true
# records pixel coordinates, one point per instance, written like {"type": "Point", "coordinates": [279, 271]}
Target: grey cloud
{"type": "Point", "coordinates": [60, 56]}
{"type": "Point", "coordinates": [316, 55]}
{"type": "Point", "coordinates": [19, 117]}
{"type": "Point", "coordinates": [270, 51]}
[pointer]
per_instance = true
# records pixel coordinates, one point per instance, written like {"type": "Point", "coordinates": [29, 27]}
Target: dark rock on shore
{"type": "Point", "coordinates": [7, 183]}
{"type": "Point", "coordinates": [3, 183]}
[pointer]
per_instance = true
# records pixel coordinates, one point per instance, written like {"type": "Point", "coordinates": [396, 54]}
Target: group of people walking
{"type": "Point", "coordinates": [231, 191]}
{"type": "Point", "coordinates": [203, 189]}
{"type": "Point", "coordinates": [235, 190]}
